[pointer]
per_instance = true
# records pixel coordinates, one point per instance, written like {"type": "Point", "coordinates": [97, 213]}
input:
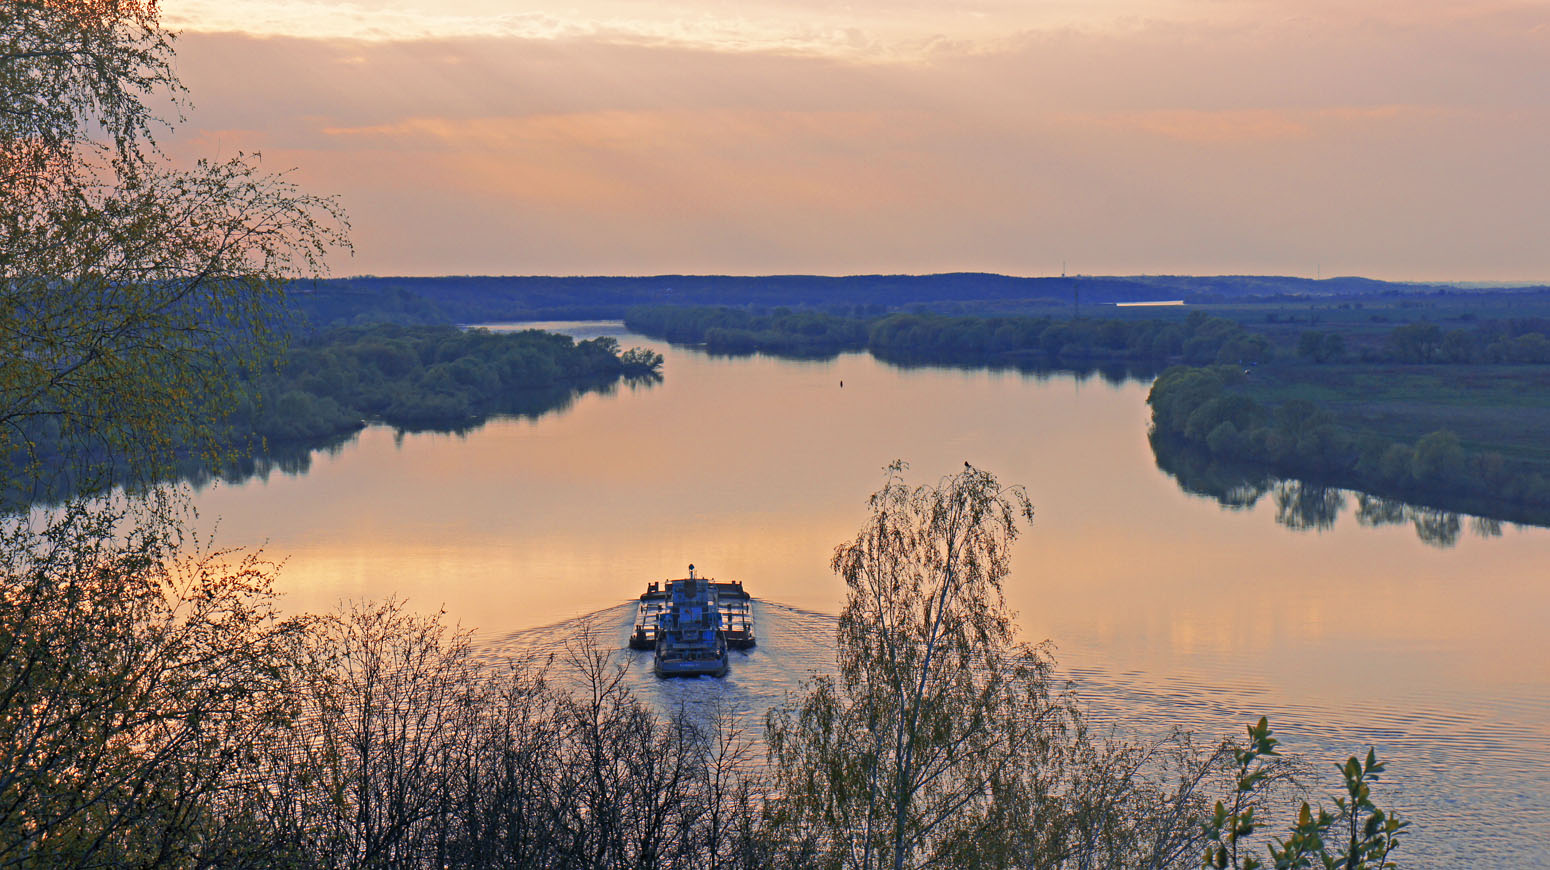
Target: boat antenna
{"type": "Point", "coordinates": [691, 570]}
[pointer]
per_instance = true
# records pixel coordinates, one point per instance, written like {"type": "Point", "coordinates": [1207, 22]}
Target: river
{"type": "Point", "coordinates": [1165, 608]}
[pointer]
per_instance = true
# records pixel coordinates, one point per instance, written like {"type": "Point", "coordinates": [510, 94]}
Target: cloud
{"type": "Point", "coordinates": [1393, 146]}
{"type": "Point", "coordinates": [1253, 127]}
{"type": "Point", "coordinates": [1213, 127]}
{"type": "Point", "coordinates": [881, 31]}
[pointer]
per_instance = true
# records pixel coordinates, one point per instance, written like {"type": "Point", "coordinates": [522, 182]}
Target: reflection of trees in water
{"type": "Point", "coordinates": [1374, 510]}
{"type": "Point", "coordinates": [1485, 527]}
{"type": "Point", "coordinates": [1304, 505]}
{"type": "Point", "coordinates": [1241, 496]}
{"type": "Point", "coordinates": [252, 459]}
{"type": "Point", "coordinates": [296, 459]}
{"type": "Point", "coordinates": [1437, 527]}
{"type": "Point", "coordinates": [1235, 487]}
{"type": "Point", "coordinates": [1040, 366]}
{"type": "Point", "coordinates": [288, 459]}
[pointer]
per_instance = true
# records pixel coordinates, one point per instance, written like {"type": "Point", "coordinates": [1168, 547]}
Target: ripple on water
{"type": "Point", "coordinates": [1474, 785]}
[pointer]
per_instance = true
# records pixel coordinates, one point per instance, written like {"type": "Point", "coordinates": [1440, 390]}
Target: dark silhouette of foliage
{"type": "Point", "coordinates": [329, 385]}
{"type": "Point", "coordinates": [980, 340]}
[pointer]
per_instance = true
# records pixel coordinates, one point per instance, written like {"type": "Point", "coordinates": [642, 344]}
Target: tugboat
{"type": "Point", "coordinates": [691, 622]}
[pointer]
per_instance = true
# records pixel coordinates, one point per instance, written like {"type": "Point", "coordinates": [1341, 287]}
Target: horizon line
{"type": "Point", "coordinates": [1450, 282]}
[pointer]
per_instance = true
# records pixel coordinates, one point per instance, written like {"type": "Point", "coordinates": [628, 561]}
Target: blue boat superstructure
{"type": "Point", "coordinates": [690, 623]}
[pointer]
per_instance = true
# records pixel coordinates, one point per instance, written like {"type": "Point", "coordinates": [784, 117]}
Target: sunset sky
{"type": "Point", "coordinates": [1402, 140]}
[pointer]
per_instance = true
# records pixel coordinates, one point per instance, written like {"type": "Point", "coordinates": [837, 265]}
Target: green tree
{"type": "Point", "coordinates": [1416, 342]}
{"type": "Point", "coordinates": [920, 753]}
{"type": "Point", "coordinates": [1321, 347]}
{"type": "Point", "coordinates": [1438, 459]}
{"type": "Point", "coordinates": [129, 291]}
{"type": "Point", "coordinates": [136, 674]}
{"type": "Point", "coordinates": [1356, 836]}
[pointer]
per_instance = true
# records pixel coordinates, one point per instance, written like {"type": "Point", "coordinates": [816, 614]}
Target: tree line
{"type": "Point", "coordinates": [907, 337]}
{"type": "Point", "coordinates": [1505, 341]}
{"type": "Point", "coordinates": [424, 377]}
{"type": "Point", "coordinates": [1196, 339]}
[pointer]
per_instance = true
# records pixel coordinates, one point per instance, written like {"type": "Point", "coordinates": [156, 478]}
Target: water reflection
{"type": "Point", "coordinates": [296, 459]}
{"type": "Point", "coordinates": [1309, 506]}
{"type": "Point", "coordinates": [1038, 366]}
{"type": "Point", "coordinates": [1301, 506]}
{"type": "Point", "coordinates": [1439, 528]}
{"type": "Point", "coordinates": [1166, 608]}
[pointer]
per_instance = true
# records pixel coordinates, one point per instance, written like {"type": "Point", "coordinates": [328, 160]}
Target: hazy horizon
{"type": "Point", "coordinates": [1467, 283]}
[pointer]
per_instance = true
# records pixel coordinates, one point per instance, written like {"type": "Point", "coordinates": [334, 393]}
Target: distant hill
{"type": "Point", "coordinates": [463, 299]}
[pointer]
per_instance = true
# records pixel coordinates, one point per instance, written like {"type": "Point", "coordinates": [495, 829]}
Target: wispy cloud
{"type": "Point", "coordinates": [1250, 127]}
{"type": "Point", "coordinates": [772, 28]}
{"type": "Point", "coordinates": [1396, 139]}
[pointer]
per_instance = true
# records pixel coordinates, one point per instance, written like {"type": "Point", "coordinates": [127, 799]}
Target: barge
{"type": "Point", "coordinates": [691, 622]}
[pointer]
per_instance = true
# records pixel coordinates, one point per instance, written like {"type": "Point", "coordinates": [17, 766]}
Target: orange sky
{"type": "Point", "coordinates": [1396, 140]}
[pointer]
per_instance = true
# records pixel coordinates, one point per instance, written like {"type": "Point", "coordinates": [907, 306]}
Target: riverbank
{"type": "Point", "coordinates": [327, 386]}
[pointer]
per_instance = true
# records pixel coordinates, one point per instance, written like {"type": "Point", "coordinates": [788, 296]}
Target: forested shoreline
{"type": "Point", "coordinates": [980, 340]}
{"type": "Point", "coordinates": [419, 377]}
{"type": "Point", "coordinates": [324, 386]}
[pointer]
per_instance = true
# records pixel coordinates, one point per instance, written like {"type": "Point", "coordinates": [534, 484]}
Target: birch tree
{"type": "Point", "coordinates": [136, 674]}
{"type": "Point", "coordinates": [130, 290]}
{"type": "Point", "coordinates": [923, 750]}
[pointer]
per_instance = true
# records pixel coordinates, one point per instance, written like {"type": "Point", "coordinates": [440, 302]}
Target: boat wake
{"type": "Point", "coordinates": [794, 644]}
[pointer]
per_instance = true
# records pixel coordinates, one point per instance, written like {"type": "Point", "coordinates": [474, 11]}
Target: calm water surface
{"type": "Point", "coordinates": [1164, 607]}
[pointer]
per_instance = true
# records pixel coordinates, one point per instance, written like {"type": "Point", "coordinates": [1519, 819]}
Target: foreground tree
{"type": "Point", "coordinates": [138, 675]}
{"type": "Point", "coordinates": [942, 742]}
{"type": "Point", "coordinates": [931, 747]}
{"type": "Point", "coordinates": [129, 292]}
{"type": "Point", "coordinates": [135, 689]}
{"type": "Point", "coordinates": [1358, 835]}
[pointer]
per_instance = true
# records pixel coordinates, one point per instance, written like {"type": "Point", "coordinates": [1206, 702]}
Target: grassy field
{"type": "Point", "coordinates": [1505, 409]}
{"type": "Point", "coordinates": [1501, 408]}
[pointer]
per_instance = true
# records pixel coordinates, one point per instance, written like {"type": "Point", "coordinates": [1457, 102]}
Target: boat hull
{"type": "Point", "coordinates": [698, 668]}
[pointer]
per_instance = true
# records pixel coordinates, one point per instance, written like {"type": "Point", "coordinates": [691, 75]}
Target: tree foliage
{"type": "Point", "coordinates": [129, 291]}
{"type": "Point", "coordinates": [1358, 835]}
{"type": "Point", "coordinates": [135, 681]}
{"type": "Point", "coordinates": [919, 753]}
{"type": "Point", "coordinates": [958, 339]}
{"type": "Point", "coordinates": [138, 670]}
